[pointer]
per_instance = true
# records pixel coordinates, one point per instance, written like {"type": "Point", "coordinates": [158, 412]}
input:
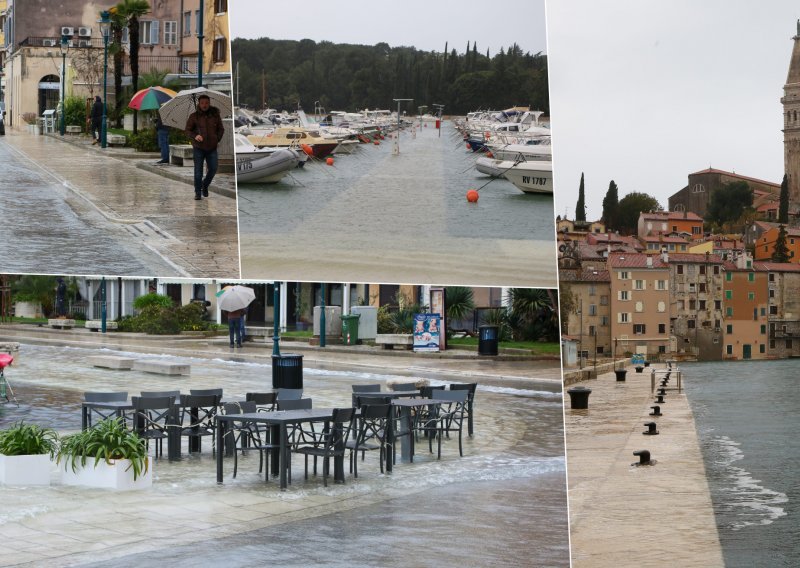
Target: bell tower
{"type": "Point", "coordinates": [791, 123]}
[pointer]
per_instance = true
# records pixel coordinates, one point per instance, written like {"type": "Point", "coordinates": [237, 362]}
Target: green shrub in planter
{"type": "Point", "coordinates": [28, 440]}
{"type": "Point", "coordinates": [152, 299]}
{"type": "Point", "coordinates": [108, 440]}
{"type": "Point", "coordinates": [144, 141]}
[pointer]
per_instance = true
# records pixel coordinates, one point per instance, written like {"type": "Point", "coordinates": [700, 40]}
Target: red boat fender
{"type": "Point", "coordinates": [5, 360]}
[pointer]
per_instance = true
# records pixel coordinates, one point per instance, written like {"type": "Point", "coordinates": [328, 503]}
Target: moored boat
{"type": "Point", "coordinates": [531, 177]}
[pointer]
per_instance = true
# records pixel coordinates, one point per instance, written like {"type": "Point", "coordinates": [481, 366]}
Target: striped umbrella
{"type": "Point", "coordinates": [151, 98]}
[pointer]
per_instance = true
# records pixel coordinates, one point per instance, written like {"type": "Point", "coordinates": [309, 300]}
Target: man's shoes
{"type": "Point", "coordinates": [231, 345]}
{"type": "Point", "coordinates": [205, 192]}
{"type": "Point", "coordinates": [239, 345]}
{"type": "Point", "coordinates": [158, 163]}
{"type": "Point", "coordinates": [94, 142]}
{"type": "Point", "coordinates": [197, 197]}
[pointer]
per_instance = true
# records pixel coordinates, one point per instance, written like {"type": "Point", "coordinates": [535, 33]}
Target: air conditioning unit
{"type": "Point", "coordinates": [84, 43]}
{"type": "Point", "coordinates": [67, 31]}
{"type": "Point", "coordinates": [85, 32]}
{"type": "Point", "coordinates": [49, 42]}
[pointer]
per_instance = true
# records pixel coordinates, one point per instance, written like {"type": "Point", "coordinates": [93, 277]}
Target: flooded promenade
{"type": "Point", "coordinates": [71, 209]}
{"type": "Point", "coordinates": [625, 515]}
{"type": "Point", "coordinates": [385, 216]}
{"type": "Point", "coordinates": [503, 503]}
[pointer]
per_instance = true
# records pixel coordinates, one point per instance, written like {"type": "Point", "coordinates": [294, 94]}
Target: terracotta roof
{"type": "Point", "coordinates": [661, 239]}
{"type": "Point", "coordinates": [777, 266]}
{"type": "Point", "coordinates": [584, 275]}
{"type": "Point", "coordinates": [691, 257]}
{"type": "Point", "coordinates": [731, 174]}
{"type": "Point", "coordinates": [635, 260]}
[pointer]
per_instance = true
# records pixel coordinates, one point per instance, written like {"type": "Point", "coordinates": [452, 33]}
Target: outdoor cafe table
{"type": "Point", "coordinates": [407, 442]}
{"type": "Point", "coordinates": [173, 434]}
{"type": "Point", "coordinates": [278, 420]}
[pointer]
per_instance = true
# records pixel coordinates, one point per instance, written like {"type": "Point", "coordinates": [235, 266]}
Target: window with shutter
{"type": "Point", "coordinates": [154, 33]}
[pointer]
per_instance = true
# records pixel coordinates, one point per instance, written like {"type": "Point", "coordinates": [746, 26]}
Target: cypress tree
{"type": "Point", "coordinates": [580, 207]}
{"type": "Point", "coordinates": [610, 206]}
{"type": "Point", "coordinates": [783, 208]}
{"type": "Point", "coordinates": [781, 252]}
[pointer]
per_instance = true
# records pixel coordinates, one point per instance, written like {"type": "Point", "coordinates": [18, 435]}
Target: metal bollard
{"type": "Point", "coordinates": [662, 391]}
{"type": "Point", "coordinates": [644, 457]}
{"type": "Point", "coordinates": [659, 399]}
{"type": "Point", "coordinates": [656, 411]}
{"type": "Point", "coordinates": [651, 429]}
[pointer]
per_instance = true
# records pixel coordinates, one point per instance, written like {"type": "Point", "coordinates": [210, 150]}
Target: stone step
{"type": "Point", "coordinates": [111, 362]}
{"type": "Point", "coordinates": [61, 323]}
{"type": "Point", "coordinates": [96, 325]}
{"type": "Point", "coordinates": [160, 367]}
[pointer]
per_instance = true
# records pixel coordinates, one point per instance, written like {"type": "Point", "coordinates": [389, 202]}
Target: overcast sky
{"type": "Point", "coordinates": [645, 92]}
{"type": "Point", "coordinates": [423, 24]}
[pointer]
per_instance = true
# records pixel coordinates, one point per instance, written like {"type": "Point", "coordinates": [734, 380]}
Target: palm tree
{"type": "Point", "coordinates": [131, 11]}
{"type": "Point", "coordinates": [533, 313]}
{"type": "Point", "coordinates": [116, 50]}
{"type": "Point", "coordinates": [460, 302]}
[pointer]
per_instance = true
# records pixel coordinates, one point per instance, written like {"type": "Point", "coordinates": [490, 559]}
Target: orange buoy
{"type": "Point", "coordinates": [472, 195]}
{"type": "Point", "coordinates": [468, 146]}
{"type": "Point", "coordinates": [329, 161]}
{"type": "Point", "coordinates": [307, 149]}
{"type": "Point", "coordinates": [489, 154]}
{"type": "Point", "coordinates": [376, 142]}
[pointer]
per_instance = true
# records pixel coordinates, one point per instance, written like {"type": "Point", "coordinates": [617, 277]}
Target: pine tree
{"type": "Point", "coordinates": [611, 206]}
{"type": "Point", "coordinates": [580, 207]}
{"type": "Point", "coordinates": [781, 252]}
{"type": "Point", "coordinates": [783, 208]}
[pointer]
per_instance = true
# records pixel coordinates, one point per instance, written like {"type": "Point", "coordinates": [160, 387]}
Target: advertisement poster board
{"type": "Point", "coordinates": [437, 300]}
{"type": "Point", "coordinates": [427, 329]}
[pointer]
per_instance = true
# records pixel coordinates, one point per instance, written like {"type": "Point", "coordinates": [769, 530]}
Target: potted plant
{"type": "Point", "coordinates": [30, 120]}
{"type": "Point", "coordinates": [106, 455]}
{"type": "Point", "coordinates": [26, 452]}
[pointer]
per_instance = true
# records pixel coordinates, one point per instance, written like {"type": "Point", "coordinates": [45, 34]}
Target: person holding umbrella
{"type": "Point", "coordinates": [234, 300]}
{"type": "Point", "coordinates": [152, 98]}
{"type": "Point", "coordinates": [204, 128]}
{"type": "Point", "coordinates": [97, 119]}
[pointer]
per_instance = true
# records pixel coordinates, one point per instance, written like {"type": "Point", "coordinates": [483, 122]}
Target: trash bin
{"type": "Point", "coordinates": [620, 374]}
{"type": "Point", "coordinates": [287, 371]}
{"type": "Point", "coordinates": [579, 398]}
{"type": "Point", "coordinates": [350, 329]}
{"type": "Point", "coordinates": [488, 339]}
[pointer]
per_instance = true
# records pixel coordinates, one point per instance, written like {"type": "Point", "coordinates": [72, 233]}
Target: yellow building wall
{"type": "Point", "coordinates": [702, 248]}
{"type": "Point", "coordinates": [216, 25]}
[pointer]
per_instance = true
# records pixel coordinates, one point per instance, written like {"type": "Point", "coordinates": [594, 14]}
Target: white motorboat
{"type": "Point", "coordinates": [531, 177]}
{"type": "Point", "coordinates": [540, 150]}
{"type": "Point", "coordinates": [268, 165]}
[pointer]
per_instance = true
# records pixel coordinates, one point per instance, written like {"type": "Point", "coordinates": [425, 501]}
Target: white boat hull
{"type": "Point", "coordinates": [532, 177]}
{"type": "Point", "coordinates": [260, 168]}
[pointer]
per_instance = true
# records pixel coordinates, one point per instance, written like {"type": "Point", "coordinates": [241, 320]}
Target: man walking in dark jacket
{"type": "Point", "coordinates": [204, 128]}
{"type": "Point", "coordinates": [97, 119]}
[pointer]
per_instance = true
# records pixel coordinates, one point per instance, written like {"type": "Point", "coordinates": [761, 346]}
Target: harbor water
{"type": "Point", "coordinates": [747, 420]}
{"type": "Point", "coordinates": [387, 217]}
{"type": "Point", "coordinates": [502, 503]}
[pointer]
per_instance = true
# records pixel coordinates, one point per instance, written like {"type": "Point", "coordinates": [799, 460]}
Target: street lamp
{"type": "Point", "coordinates": [105, 29]}
{"type": "Point", "coordinates": [200, 37]}
{"type": "Point", "coordinates": [64, 47]}
{"type": "Point", "coordinates": [276, 315]}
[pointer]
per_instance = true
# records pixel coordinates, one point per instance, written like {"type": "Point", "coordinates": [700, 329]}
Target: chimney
{"type": "Point", "coordinates": [664, 256]}
{"type": "Point", "coordinates": [650, 261]}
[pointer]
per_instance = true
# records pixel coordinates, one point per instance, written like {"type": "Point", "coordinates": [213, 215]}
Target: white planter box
{"type": "Point", "coordinates": [27, 309]}
{"type": "Point", "coordinates": [25, 470]}
{"type": "Point", "coordinates": [107, 476]}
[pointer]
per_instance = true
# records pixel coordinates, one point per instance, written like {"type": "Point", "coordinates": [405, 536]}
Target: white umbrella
{"type": "Point", "coordinates": [232, 298]}
{"type": "Point", "coordinates": [176, 112]}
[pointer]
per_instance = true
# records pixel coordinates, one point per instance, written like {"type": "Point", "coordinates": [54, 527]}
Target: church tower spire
{"type": "Point", "coordinates": [791, 123]}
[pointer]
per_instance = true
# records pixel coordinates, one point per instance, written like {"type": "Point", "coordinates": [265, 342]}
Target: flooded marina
{"type": "Point", "coordinates": [503, 502]}
{"type": "Point", "coordinates": [747, 420]}
{"type": "Point", "coordinates": [385, 216]}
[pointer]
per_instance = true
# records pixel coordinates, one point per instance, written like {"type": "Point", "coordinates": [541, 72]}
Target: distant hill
{"type": "Point", "coordinates": [352, 77]}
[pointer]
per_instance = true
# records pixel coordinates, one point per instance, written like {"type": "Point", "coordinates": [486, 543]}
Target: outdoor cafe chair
{"type": "Point", "coordinates": [246, 436]}
{"type": "Point", "coordinates": [217, 392]}
{"type": "Point", "coordinates": [265, 401]}
{"type": "Point", "coordinates": [289, 394]}
{"type": "Point", "coordinates": [404, 386]}
{"type": "Point", "coordinates": [152, 419]}
{"type": "Point", "coordinates": [371, 434]}
{"type": "Point", "coordinates": [449, 415]}
{"type": "Point", "coordinates": [470, 388]}
{"type": "Point", "coordinates": [200, 409]}
{"type": "Point", "coordinates": [300, 435]}
{"type": "Point", "coordinates": [103, 413]}
{"type": "Point", "coordinates": [366, 388]}
{"type": "Point", "coordinates": [422, 414]}
{"type": "Point", "coordinates": [332, 444]}
{"type": "Point", "coordinates": [152, 394]}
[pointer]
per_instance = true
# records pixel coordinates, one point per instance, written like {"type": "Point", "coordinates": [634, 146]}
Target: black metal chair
{"type": "Point", "coordinates": [366, 388]}
{"type": "Point", "coordinates": [247, 437]}
{"type": "Point", "coordinates": [217, 392]}
{"type": "Point", "coordinates": [153, 418]}
{"type": "Point", "coordinates": [289, 394]}
{"type": "Point", "coordinates": [470, 388]}
{"type": "Point", "coordinates": [200, 410]}
{"type": "Point", "coordinates": [151, 394]}
{"type": "Point", "coordinates": [265, 401]}
{"type": "Point", "coordinates": [94, 396]}
{"type": "Point", "coordinates": [450, 415]}
{"type": "Point", "coordinates": [371, 434]}
{"type": "Point", "coordinates": [332, 443]}
{"type": "Point", "coordinates": [404, 386]}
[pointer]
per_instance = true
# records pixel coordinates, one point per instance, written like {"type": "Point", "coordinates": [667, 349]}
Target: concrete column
{"type": "Point", "coordinates": [505, 301]}
{"type": "Point", "coordinates": [217, 311]}
{"type": "Point", "coordinates": [345, 298]}
{"type": "Point", "coordinates": [425, 291]}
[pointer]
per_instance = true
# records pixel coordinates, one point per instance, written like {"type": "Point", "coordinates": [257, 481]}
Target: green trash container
{"type": "Point", "coordinates": [350, 329]}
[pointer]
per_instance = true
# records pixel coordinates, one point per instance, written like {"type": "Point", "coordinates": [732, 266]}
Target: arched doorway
{"type": "Point", "coordinates": [49, 92]}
